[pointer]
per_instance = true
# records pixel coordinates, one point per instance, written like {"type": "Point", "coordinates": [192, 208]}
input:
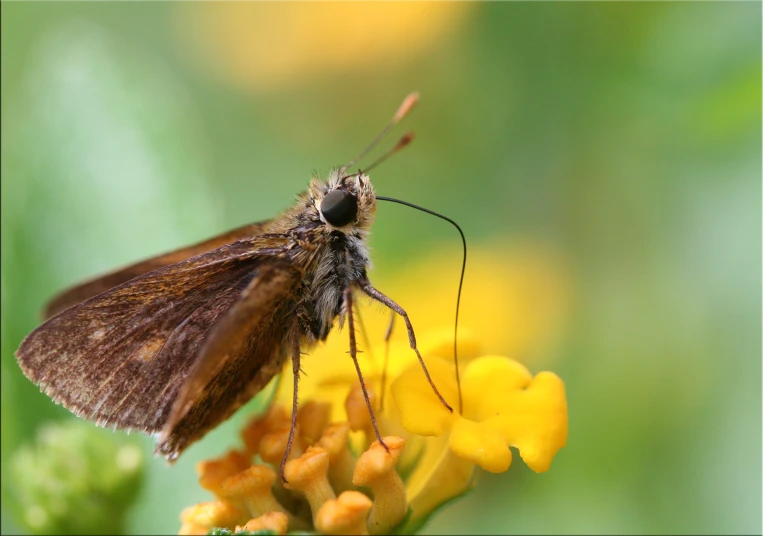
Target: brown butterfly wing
{"type": "Point", "coordinates": [243, 351]}
{"type": "Point", "coordinates": [91, 288]}
{"type": "Point", "coordinates": [121, 357]}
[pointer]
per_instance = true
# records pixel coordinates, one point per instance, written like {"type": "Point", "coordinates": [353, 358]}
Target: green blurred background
{"type": "Point", "coordinates": [624, 137]}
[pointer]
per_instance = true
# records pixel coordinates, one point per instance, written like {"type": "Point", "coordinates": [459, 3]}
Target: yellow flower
{"type": "Point", "coordinates": [266, 46]}
{"type": "Point", "coordinates": [431, 458]}
{"type": "Point", "coordinates": [503, 405]}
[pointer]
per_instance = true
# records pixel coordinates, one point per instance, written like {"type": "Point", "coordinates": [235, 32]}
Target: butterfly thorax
{"type": "Point", "coordinates": [332, 257]}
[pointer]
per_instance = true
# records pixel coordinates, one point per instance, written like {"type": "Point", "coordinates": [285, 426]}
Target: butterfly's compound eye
{"type": "Point", "coordinates": [339, 207]}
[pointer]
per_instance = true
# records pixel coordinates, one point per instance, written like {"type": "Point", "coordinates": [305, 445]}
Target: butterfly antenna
{"type": "Point", "coordinates": [405, 140]}
{"type": "Point", "coordinates": [406, 106]}
{"type": "Point", "coordinates": [460, 285]}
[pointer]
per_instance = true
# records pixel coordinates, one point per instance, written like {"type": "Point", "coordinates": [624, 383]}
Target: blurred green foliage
{"type": "Point", "coordinates": [75, 479]}
{"type": "Point", "coordinates": [228, 532]}
{"type": "Point", "coordinates": [627, 136]}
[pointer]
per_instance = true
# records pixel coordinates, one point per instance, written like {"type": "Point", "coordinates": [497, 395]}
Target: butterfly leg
{"type": "Point", "coordinates": [295, 364]}
{"type": "Point", "coordinates": [387, 337]}
{"type": "Point", "coordinates": [369, 289]}
{"type": "Point", "coordinates": [354, 355]}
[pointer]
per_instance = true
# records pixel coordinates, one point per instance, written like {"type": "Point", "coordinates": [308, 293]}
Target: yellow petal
{"type": "Point", "coordinates": [439, 477]}
{"type": "Point", "coordinates": [480, 444]}
{"type": "Point", "coordinates": [487, 382]}
{"type": "Point", "coordinates": [529, 413]}
{"type": "Point", "coordinates": [421, 412]}
{"type": "Point", "coordinates": [439, 342]}
{"type": "Point", "coordinates": [537, 421]}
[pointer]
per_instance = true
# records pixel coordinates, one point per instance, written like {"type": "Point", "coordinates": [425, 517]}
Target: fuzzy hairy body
{"type": "Point", "coordinates": [332, 258]}
{"type": "Point", "coordinates": [175, 345]}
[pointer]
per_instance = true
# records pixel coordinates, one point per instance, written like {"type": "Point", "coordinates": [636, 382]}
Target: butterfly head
{"type": "Point", "coordinates": [346, 203]}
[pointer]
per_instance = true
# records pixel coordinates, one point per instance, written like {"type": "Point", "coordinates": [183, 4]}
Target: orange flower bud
{"type": "Point", "coordinates": [345, 515]}
{"type": "Point", "coordinates": [376, 469]}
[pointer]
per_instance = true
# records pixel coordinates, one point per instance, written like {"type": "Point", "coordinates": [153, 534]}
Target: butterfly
{"type": "Point", "coordinates": [174, 345]}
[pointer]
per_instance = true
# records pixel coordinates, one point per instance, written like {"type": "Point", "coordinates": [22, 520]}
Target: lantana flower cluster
{"type": "Point", "coordinates": [341, 480]}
